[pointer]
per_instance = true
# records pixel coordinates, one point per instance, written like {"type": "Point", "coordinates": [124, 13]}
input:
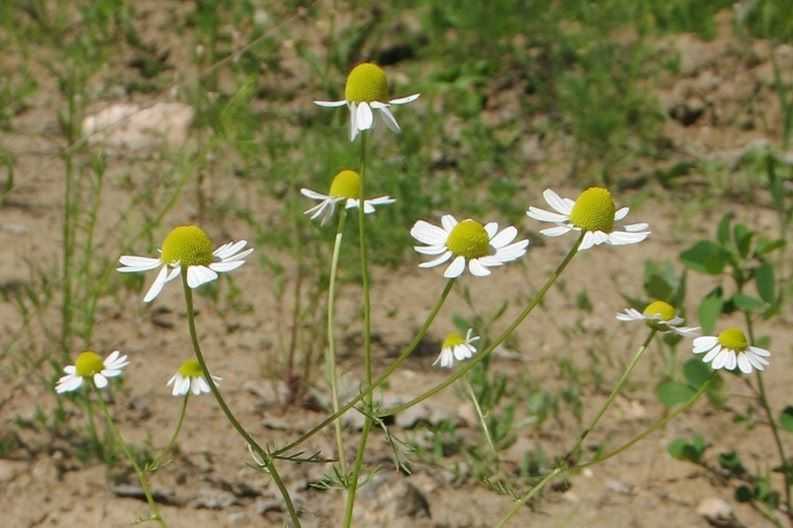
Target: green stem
{"type": "Point", "coordinates": [404, 354]}
{"type": "Point", "coordinates": [367, 340]}
{"type": "Point", "coordinates": [615, 391]}
{"type": "Point", "coordinates": [144, 484]}
{"type": "Point", "coordinates": [331, 358]}
{"type": "Point", "coordinates": [459, 373]}
{"type": "Point", "coordinates": [179, 421]}
{"type": "Point", "coordinates": [266, 458]}
{"type": "Point", "coordinates": [481, 416]}
{"type": "Point", "coordinates": [533, 491]}
{"type": "Point", "coordinates": [89, 412]}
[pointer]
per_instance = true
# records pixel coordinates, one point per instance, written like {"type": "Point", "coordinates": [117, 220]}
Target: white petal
{"type": "Point", "coordinates": [427, 233]}
{"type": "Point", "coordinates": [491, 228]}
{"type": "Point", "coordinates": [156, 286]}
{"type": "Point", "coordinates": [756, 362]}
{"type": "Point", "coordinates": [731, 360]}
{"type": "Point", "coordinates": [445, 358]}
{"type": "Point", "coordinates": [448, 222]}
{"type": "Point", "coordinates": [389, 119]}
{"type": "Point", "coordinates": [712, 354]}
{"type": "Point", "coordinates": [622, 213]}
{"type": "Point", "coordinates": [367, 207]}
{"type": "Point", "coordinates": [198, 275]}
{"type": "Point", "coordinates": [504, 237]}
{"type": "Point", "coordinates": [477, 269]}
{"type": "Point", "coordinates": [170, 381]}
{"type": "Point", "coordinates": [546, 216]}
{"type": "Point", "coordinates": [229, 249]}
{"type": "Point", "coordinates": [111, 358]}
{"type": "Point", "coordinates": [557, 203]}
{"type": "Point", "coordinates": [100, 381]}
{"type": "Point", "coordinates": [203, 385]}
{"type": "Point", "coordinates": [704, 343]}
{"type": "Point", "coordinates": [436, 262]}
{"type": "Point", "coordinates": [330, 104]}
{"type": "Point", "coordinates": [456, 268]}
{"type": "Point", "coordinates": [721, 359]}
{"type": "Point", "coordinates": [68, 384]}
{"type": "Point", "coordinates": [195, 386]}
{"type": "Point", "coordinates": [587, 242]}
{"type": "Point", "coordinates": [686, 331]}
{"type": "Point", "coordinates": [239, 256]}
{"type": "Point", "coordinates": [430, 250]}
{"type": "Point", "coordinates": [512, 251]}
{"type": "Point", "coordinates": [353, 121]}
{"type": "Point", "coordinates": [135, 264]}
{"type": "Point", "coordinates": [404, 100]}
{"type": "Point", "coordinates": [381, 200]}
{"type": "Point", "coordinates": [556, 231]}
{"type": "Point", "coordinates": [184, 386]}
{"type": "Point", "coordinates": [364, 116]}
{"type": "Point", "coordinates": [633, 228]}
{"type": "Point", "coordinates": [744, 364]}
{"type": "Point", "coordinates": [225, 266]}
{"type": "Point", "coordinates": [759, 351]}
{"type": "Point", "coordinates": [70, 369]}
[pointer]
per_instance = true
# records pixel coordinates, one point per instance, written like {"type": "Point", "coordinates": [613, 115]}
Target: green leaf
{"type": "Point", "coordinates": [709, 312]}
{"type": "Point", "coordinates": [743, 239]}
{"type": "Point", "coordinates": [764, 247]}
{"type": "Point", "coordinates": [677, 448]}
{"type": "Point", "coordinates": [705, 256]}
{"type": "Point", "coordinates": [723, 231]}
{"type": "Point", "coordinates": [786, 419]}
{"type": "Point", "coordinates": [672, 393]}
{"type": "Point", "coordinates": [696, 372]}
{"type": "Point", "coordinates": [764, 280]}
{"type": "Point", "coordinates": [744, 493]}
{"type": "Point", "coordinates": [748, 303]}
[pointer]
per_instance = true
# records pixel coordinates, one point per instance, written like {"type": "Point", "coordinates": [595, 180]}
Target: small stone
{"type": "Point", "coordinates": [718, 512]}
{"type": "Point", "coordinates": [138, 127]}
{"type": "Point", "coordinates": [618, 486]}
{"type": "Point", "coordinates": [213, 499]}
{"type": "Point", "coordinates": [391, 501]}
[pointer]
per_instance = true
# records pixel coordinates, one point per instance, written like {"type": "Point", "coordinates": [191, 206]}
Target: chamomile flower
{"type": "Point", "coordinates": [367, 91]}
{"type": "Point", "coordinates": [594, 213]}
{"type": "Point", "coordinates": [731, 349]}
{"type": "Point", "coordinates": [90, 366]}
{"type": "Point", "coordinates": [482, 247]}
{"type": "Point", "coordinates": [190, 377]}
{"type": "Point", "coordinates": [661, 316]}
{"type": "Point", "coordinates": [187, 247]}
{"type": "Point", "coordinates": [345, 187]}
{"type": "Point", "coordinates": [456, 347]}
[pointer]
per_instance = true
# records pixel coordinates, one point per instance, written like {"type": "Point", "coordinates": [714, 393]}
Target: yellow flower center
{"type": "Point", "coordinates": [660, 309]}
{"type": "Point", "coordinates": [453, 339]}
{"type": "Point", "coordinates": [191, 368]}
{"type": "Point", "coordinates": [366, 83]}
{"type": "Point", "coordinates": [733, 339]}
{"type": "Point", "coordinates": [469, 239]}
{"type": "Point", "coordinates": [188, 245]}
{"type": "Point", "coordinates": [594, 210]}
{"type": "Point", "coordinates": [346, 184]}
{"type": "Point", "coordinates": [88, 363]}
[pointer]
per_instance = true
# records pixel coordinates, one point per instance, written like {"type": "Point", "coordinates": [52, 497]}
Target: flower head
{"type": "Point", "coordinates": [482, 247]}
{"type": "Point", "coordinates": [90, 366]}
{"type": "Point", "coordinates": [594, 213]}
{"type": "Point", "coordinates": [187, 247]}
{"type": "Point", "coordinates": [345, 187]}
{"type": "Point", "coordinates": [190, 377]}
{"type": "Point", "coordinates": [731, 349]}
{"type": "Point", "coordinates": [456, 347]}
{"type": "Point", "coordinates": [661, 316]}
{"type": "Point", "coordinates": [367, 90]}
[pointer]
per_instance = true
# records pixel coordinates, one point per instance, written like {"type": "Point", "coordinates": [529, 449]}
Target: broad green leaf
{"type": "Point", "coordinates": [696, 372]}
{"type": "Point", "coordinates": [705, 256]}
{"type": "Point", "coordinates": [743, 239]}
{"type": "Point", "coordinates": [764, 247]}
{"type": "Point", "coordinates": [748, 303]}
{"type": "Point", "coordinates": [709, 312]}
{"type": "Point", "coordinates": [672, 393]}
{"type": "Point", "coordinates": [764, 280]}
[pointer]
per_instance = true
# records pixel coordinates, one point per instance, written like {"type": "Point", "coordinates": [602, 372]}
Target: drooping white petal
{"type": "Point", "coordinates": [330, 104]}
{"type": "Point", "coordinates": [381, 200]}
{"type": "Point", "coordinates": [404, 100]}
{"type": "Point", "coordinates": [389, 119]}
{"type": "Point", "coordinates": [559, 204]}
{"type": "Point", "coordinates": [686, 331]}
{"type": "Point", "coordinates": [477, 269]}
{"type": "Point", "coordinates": [587, 242]}
{"type": "Point", "coordinates": [132, 263]}
{"type": "Point", "coordinates": [198, 275]}
{"type": "Point", "coordinates": [622, 238]}
{"type": "Point", "coordinates": [430, 250]}
{"type": "Point", "coordinates": [203, 385]}
{"type": "Point", "coordinates": [353, 121]}
{"type": "Point", "coordinates": [364, 116]}
{"type": "Point", "coordinates": [225, 266]}
{"type": "Point", "coordinates": [744, 364]}
{"type": "Point", "coordinates": [704, 343]}
{"type": "Point", "coordinates": [156, 286]}
{"type": "Point", "coordinates": [506, 236]}
{"type": "Point", "coordinates": [456, 268]}
{"type": "Point", "coordinates": [70, 369]}
{"type": "Point", "coordinates": [634, 228]}
{"type": "Point", "coordinates": [437, 261]}
{"type": "Point", "coordinates": [427, 233]}
{"type": "Point", "coordinates": [730, 361]}
{"type": "Point", "coordinates": [759, 351]}
{"type": "Point", "coordinates": [100, 381]}
{"type": "Point", "coordinates": [546, 216]}
{"type": "Point", "coordinates": [755, 361]}
{"type": "Point", "coordinates": [68, 383]}
{"type": "Point", "coordinates": [239, 256]}
{"type": "Point", "coordinates": [184, 386]}
{"type": "Point", "coordinates": [556, 231]}
{"type": "Point", "coordinates": [445, 358]}
{"type": "Point", "coordinates": [622, 213]}
{"type": "Point", "coordinates": [712, 354]}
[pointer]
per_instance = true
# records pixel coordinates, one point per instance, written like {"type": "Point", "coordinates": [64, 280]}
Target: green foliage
{"type": "Point", "coordinates": [692, 450]}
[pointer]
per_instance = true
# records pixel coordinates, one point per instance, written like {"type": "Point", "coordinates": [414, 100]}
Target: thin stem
{"type": "Point", "coordinates": [481, 416]}
{"type": "Point", "coordinates": [89, 412]}
{"type": "Point", "coordinates": [331, 358]}
{"type": "Point", "coordinates": [533, 491]}
{"type": "Point", "coordinates": [179, 421]}
{"type": "Point", "coordinates": [266, 458]}
{"type": "Point", "coordinates": [154, 510]}
{"type": "Point", "coordinates": [616, 390]}
{"type": "Point", "coordinates": [404, 354]}
{"type": "Point", "coordinates": [367, 341]}
{"type": "Point", "coordinates": [459, 373]}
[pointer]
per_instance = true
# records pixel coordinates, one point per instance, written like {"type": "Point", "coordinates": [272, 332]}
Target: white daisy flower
{"type": "Point", "coordinates": [187, 246]}
{"type": "Point", "coordinates": [662, 316]}
{"type": "Point", "coordinates": [90, 366]}
{"type": "Point", "coordinates": [367, 90]}
{"type": "Point", "coordinates": [731, 349]}
{"type": "Point", "coordinates": [455, 347]}
{"type": "Point", "coordinates": [594, 213]}
{"type": "Point", "coordinates": [190, 377]}
{"type": "Point", "coordinates": [481, 246]}
{"type": "Point", "coordinates": [345, 187]}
